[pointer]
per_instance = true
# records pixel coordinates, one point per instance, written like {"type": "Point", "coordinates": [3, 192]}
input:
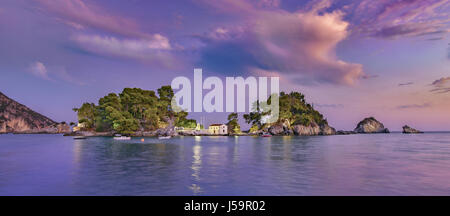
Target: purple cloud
{"type": "Point", "coordinates": [414, 106]}
{"type": "Point", "coordinates": [52, 73]}
{"type": "Point", "coordinates": [392, 19]}
{"type": "Point", "coordinates": [156, 49]}
{"type": "Point", "coordinates": [120, 37]}
{"type": "Point", "coordinates": [435, 39]}
{"type": "Point", "coordinates": [441, 82]}
{"type": "Point", "coordinates": [405, 84]}
{"type": "Point", "coordinates": [79, 14]}
{"type": "Point", "coordinates": [300, 45]}
{"type": "Point", "coordinates": [408, 29]}
{"type": "Point", "coordinates": [448, 50]}
{"type": "Point", "coordinates": [334, 106]}
{"type": "Point", "coordinates": [441, 85]}
{"type": "Point", "coordinates": [38, 69]}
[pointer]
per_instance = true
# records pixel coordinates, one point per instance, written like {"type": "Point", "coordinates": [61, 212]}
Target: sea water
{"type": "Point", "coordinates": [376, 164]}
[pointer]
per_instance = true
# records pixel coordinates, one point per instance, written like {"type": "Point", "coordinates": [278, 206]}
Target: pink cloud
{"type": "Point", "coordinates": [393, 19]}
{"type": "Point", "coordinates": [301, 45]}
{"type": "Point", "coordinates": [442, 81]}
{"type": "Point", "coordinates": [79, 14]}
{"type": "Point", "coordinates": [441, 85]}
{"type": "Point", "coordinates": [155, 49]}
{"type": "Point", "coordinates": [52, 73]}
{"type": "Point", "coordinates": [123, 35]}
{"type": "Point", "coordinates": [38, 69]}
{"type": "Point", "coordinates": [269, 3]}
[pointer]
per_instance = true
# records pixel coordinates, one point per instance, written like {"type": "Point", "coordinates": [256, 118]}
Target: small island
{"type": "Point", "coordinates": [409, 130]}
{"type": "Point", "coordinates": [370, 125]}
{"type": "Point", "coordinates": [138, 112]}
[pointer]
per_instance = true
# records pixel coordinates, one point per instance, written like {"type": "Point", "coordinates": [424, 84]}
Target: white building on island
{"type": "Point", "coordinates": [218, 129]}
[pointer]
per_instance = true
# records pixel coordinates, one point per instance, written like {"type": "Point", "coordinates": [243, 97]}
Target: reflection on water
{"type": "Point", "coordinates": [393, 164]}
{"type": "Point", "coordinates": [196, 166]}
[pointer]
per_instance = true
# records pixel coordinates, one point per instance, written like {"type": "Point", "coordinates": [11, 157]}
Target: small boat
{"type": "Point", "coordinates": [120, 137]}
{"type": "Point", "coordinates": [79, 137]}
{"type": "Point", "coordinates": [164, 137]}
{"type": "Point", "coordinates": [266, 135]}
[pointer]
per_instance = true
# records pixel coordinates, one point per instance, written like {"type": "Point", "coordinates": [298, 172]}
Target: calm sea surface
{"type": "Point", "coordinates": [379, 164]}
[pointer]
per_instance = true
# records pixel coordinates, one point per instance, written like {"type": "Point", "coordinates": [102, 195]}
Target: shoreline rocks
{"type": "Point", "coordinates": [89, 133]}
{"type": "Point", "coordinates": [326, 130]}
{"type": "Point", "coordinates": [18, 118]}
{"type": "Point", "coordinates": [342, 132]}
{"type": "Point", "coordinates": [301, 130]}
{"type": "Point", "coordinates": [169, 130]}
{"type": "Point", "coordinates": [370, 125]}
{"type": "Point", "coordinates": [409, 130]}
{"type": "Point", "coordinates": [60, 128]}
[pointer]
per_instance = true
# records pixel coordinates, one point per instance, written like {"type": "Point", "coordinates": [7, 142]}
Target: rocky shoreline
{"type": "Point", "coordinates": [16, 118]}
{"type": "Point", "coordinates": [19, 119]}
{"type": "Point", "coordinates": [366, 126]}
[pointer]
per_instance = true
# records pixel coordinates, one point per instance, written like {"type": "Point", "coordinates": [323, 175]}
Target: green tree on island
{"type": "Point", "coordinates": [233, 124]}
{"type": "Point", "coordinates": [86, 114]}
{"type": "Point", "coordinates": [133, 110]}
{"type": "Point", "coordinates": [293, 109]}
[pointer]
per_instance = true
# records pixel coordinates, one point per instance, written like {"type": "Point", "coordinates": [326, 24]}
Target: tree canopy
{"type": "Point", "coordinates": [293, 108]}
{"type": "Point", "coordinates": [233, 124]}
{"type": "Point", "coordinates": [133, 110]}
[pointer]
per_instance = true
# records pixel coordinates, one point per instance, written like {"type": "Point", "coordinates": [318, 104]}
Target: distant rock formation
{"type": "Point", "coordinates": [17, 118]}
{"type": "Point", "coordinates": [325, 129]}
{"type": "Point", "coordinates": [409, 130]}
{"type": "Point", "coordinates": [312, 129]}
{"type": "Point", "coordinates": [370, 125]}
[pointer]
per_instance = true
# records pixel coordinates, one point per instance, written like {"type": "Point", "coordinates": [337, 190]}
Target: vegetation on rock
{"type": "Point", "coordinates": [17, 118]}
{"type": "Point", "coordinates": [233, 124]}
{"type": "Point", "coordinates": [131, 111]}
{"type": "Point", "coordinates": [294, 110]}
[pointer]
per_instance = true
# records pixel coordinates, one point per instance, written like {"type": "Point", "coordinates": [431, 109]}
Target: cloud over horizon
{"type": "Point", "coordinates": [394, 19]}
{"type": "Point", "coordinates": [441, 85]}
{"type": "Point", "coordinates": [154, 50]}
{"type": "Point", "coordinates": [448, 51]}
{"type": "Point", "coordinates": [52, 73]}
{"type": "Point", "coordinates": [38, 69]}
{"type": "Point", "coordinates": [414, 106]}
{"type": "Point", "coordinates": [79, 14]}
{"type": "Point", "coordinates": [405, 84]}
{"type": "Point", "coordinates": [114, 35]}
{"type": "Point", "coordinates": [301, 45]}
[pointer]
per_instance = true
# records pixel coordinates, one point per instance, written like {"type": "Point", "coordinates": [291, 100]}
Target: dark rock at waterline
{"type": "Point", "coordinates": [341, 132]}
{"type": "Point", "coordinates": [370, 125]}
{"type": "Point", "coordinates": [279, 130]}
{"type": "Point", "coordinates": [169, 130]}
{"type": "Point", "coordinates": [325, 129]}
{"type": "Point", "coordinates": [89, 133]}
{"type": "Point", "coordinates": [409, 130]}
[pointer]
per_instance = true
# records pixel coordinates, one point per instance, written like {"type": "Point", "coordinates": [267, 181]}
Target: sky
{"type": "Point", "coordinates": [352, 59]}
